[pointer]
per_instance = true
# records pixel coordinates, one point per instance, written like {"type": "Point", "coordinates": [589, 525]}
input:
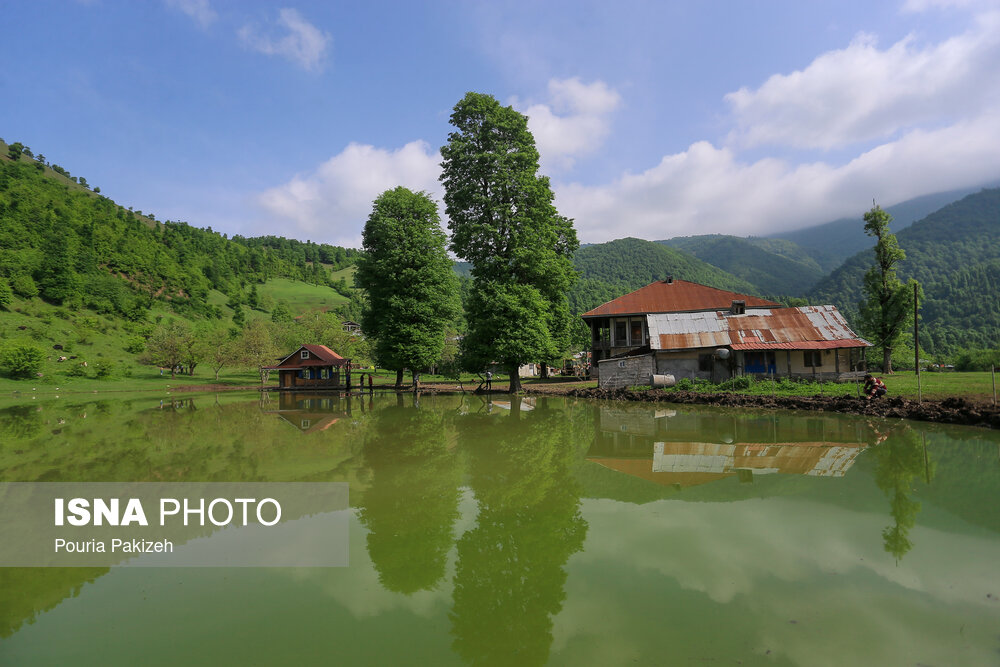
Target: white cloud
{"type": "Point", "coordinates": [575, 121]}
{"type": "Point", "coordinates": [706, 188]}
{"type": "Point", "coordinates": [304, 43]}
{"type": "Point", "coordinates": [861, 93]}
{"type": "Point", "coordinates": [200, 10]}
{"type": "Point", "coordinates": [332, 203]}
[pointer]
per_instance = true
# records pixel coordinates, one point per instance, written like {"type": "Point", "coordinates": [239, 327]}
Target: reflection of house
{"type": "Point", "coordinates": [689, 330]}
{"type": "Point", "coordinates": [310, 412]}
{"type": "Point", "coordinates": [692, 463]}
{"type": "Point", "coordinates": [696, 447]}
{"type": "Point", "coordinates": [313, 366]}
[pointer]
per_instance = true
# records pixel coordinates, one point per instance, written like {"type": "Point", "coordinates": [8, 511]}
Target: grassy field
{"type": "Point", "coordinates": [974, 386]}
{"type": "Point", "coordinates": [302, 297]}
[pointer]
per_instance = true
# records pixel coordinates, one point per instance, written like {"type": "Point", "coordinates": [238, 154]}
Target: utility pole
{"type": "Point", "coordinates": [916, 342]}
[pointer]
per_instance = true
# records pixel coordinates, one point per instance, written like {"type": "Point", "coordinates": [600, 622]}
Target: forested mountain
{"type": "Point", "coordinates": [831, 243]}
{"type": "Point", "coordinates": [955, 254]}
{"type": "Point", "coordinates": [73, 246]}
{"type": "Point", "coordinates": [608, 270]}
{"type": "Point", "coordinates": [776, 267]}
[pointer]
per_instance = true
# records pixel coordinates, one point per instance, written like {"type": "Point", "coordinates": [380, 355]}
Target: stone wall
{"type": "Point", "coordinates": [625, 372]}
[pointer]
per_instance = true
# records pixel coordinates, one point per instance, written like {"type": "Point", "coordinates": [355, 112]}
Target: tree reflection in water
{"type": "Point", "coordinates": [412, 503]}
{"type": "Point", "coordinates": [509, 581]}
{"type": "Point", "coordinates": [901, 457]}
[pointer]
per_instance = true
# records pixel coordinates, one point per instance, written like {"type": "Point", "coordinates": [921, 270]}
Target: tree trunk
{"type": "Point", "coordinates": [887, 360]}
{"type": "Point", "coordinates": [416, 380]}
{"type": "Point", "coordinates": [217, 373]}
{"type": "Point", "coordinates": [545, 371]}
{"type": "Point", "coordinates": [399, 378]}
{"type": "Point", "coordinates": [515, 381]}
{"type": "Point", "coordinates": [191, 369]}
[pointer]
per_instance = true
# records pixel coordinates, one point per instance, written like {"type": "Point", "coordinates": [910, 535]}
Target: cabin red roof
{"type": "Point", "coordinates": [673, 297]}
{"type": "Point", "coordinates": [319, 355]}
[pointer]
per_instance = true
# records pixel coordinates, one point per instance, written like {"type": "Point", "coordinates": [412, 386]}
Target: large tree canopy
{"type": "Point", "coordinates": [503, 222]}
{"type": "Point", "coordinates": [412, 290]}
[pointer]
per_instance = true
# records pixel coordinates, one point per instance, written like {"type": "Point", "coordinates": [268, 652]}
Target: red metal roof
{"type": "Point", "coordinates": [801, 328]}
{"type": "Point", "coordinates": [801, 345]}
{"type": "Point", "coordinates": [319, 355]}
{"type": "Point", "coordinates": [674, 297]}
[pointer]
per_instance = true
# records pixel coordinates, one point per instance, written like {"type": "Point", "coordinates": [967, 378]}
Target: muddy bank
{"type": "Point", "coordinates": [947, 411]}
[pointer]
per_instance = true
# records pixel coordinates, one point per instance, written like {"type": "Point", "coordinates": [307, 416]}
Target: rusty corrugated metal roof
{"type": "Point", "coordinates": [803, 328]}
{"type": "Point", "coordinates": [676, 296]}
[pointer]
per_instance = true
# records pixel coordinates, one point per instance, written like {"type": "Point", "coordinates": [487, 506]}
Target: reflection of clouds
{"type": "Point", "coordinates": [807, 581]}
{"type": "Point", "coordinates": [724, 549]}
{"type": "Point", "coordinates": [358, 589]}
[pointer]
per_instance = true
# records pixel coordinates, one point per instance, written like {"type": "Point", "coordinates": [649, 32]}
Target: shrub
{"type": "Point", "coordinates": [103, 369]}
{"type": "Point", "coordinates": [739, 383]}
{"type": "Point", "coordinates": [6, 294]}
{"type": "Point", "coordinates": [21, 359]}
{"type": "Point", "coordinates": [135, 344]}
{"type": "Point", "coordinates": [685, 384]}
{"type": "Point", "coordinates": [24, 286]}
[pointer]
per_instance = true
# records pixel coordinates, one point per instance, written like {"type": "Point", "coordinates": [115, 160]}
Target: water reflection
{"type": "Point", "coordinates": [510, 578]}
{"type": "Point", "coordinates": [470, 512]}
{"type": "Point", "coordinates": [683, 450]}
{"type": "Point", "coordinates": [412, 503]}
{"type": "Point", "coordinates": [901, 457]}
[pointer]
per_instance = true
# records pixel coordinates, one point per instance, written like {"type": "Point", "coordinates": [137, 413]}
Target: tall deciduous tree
{"type": "Point", "coordinates": [503, 221]}
{"type": "Point", "coordinates": [412, 290]}
{"type": "Point", "coordinates": [888, 309]}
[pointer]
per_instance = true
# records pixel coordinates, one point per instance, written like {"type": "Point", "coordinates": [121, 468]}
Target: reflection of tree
{"type": "Point", "coordinates": [510, 578]}
{"type": "Point", "coordinates": [20, 422]}
{"type": "Point", "coordinates": [28, 591]}
{"type": "Point", "coordinates": [900, 458]}
{"type": "Point", "coordinates": [412, 503]}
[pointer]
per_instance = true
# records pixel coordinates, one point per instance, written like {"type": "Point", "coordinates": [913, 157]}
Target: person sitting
{"type": "Point", "coordinates": [874, 387]}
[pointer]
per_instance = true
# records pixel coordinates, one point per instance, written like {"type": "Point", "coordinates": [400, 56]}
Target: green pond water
{"type": "Point", "coordinates": [532, 531]}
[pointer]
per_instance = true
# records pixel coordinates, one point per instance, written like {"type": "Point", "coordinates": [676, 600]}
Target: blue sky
{"type": "Point", "coordinates": [654, 119]}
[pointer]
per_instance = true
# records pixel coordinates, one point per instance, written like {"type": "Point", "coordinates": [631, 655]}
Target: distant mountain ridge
{"type": "Point", "coordinates": [955, 254]}
{"type": "Point", "coordinates": [774, 266]}
{"type": "Point", "coordinates": [831, 243]}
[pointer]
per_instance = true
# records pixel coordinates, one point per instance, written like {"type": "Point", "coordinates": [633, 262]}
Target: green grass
{"type": "Point", "coordinates": [301, 297]}
{"type": "Point", "coordinates": [976, 386]}
{"type": "Point", "coordinates": [347, 274]}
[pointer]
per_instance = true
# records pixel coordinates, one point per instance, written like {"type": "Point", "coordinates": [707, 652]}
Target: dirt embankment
{"type": "Point", "coordinates": [947, 411]}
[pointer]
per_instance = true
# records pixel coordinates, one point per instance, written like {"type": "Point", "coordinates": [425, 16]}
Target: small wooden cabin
{"type": "Point", "coordinates": [313, 367]}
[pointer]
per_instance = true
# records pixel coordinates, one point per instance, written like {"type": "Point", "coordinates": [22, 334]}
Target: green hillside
{"type": "Point", "coordinates": [955, 254]}
{"type": "Point", "coordinates": [831, 243]}
{"type": "Point", "coordinates": [608, 270]}
{"type": "Point", "coordinates": [88, 282]}
{"type": "Point", "coordinates": [72, 246]}
{"type": "Point", "coordinates": [755, 261]}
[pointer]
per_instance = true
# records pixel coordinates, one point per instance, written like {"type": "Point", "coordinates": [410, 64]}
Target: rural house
{"type": "Point", "coordinates": [313, 367]}
{"type": "Point", "coordinates": [680, 328]}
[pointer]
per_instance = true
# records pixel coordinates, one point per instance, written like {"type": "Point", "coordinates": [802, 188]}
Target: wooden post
{"type": "Point", "coordinates": [916, 342]}
{"type": "Point", "coordinates": [993, 374]}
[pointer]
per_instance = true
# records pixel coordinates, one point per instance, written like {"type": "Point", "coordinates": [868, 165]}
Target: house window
{"type": "Point", "coordinates": [304, 354]}
{"type": "Point", "coordinates": [738, 308]}
{"type": "Point", "coordinates": [621, 330]}
{"type": "Point", "coordinates": [636, 332]}
{"type": "Point", "coordinates": [705, 362]}
{"type": "Point", "coordinates": [812, 359]}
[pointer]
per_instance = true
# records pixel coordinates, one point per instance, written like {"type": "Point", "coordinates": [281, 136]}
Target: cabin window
{"type": "Point", "coordinates": [812, 359]}
{"type": "Point", "coordinates": [621, 330]}
{"type": "Point", "coordinates": [738, 308]}
{"type": "Point", "coordinates": [304, 354]}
